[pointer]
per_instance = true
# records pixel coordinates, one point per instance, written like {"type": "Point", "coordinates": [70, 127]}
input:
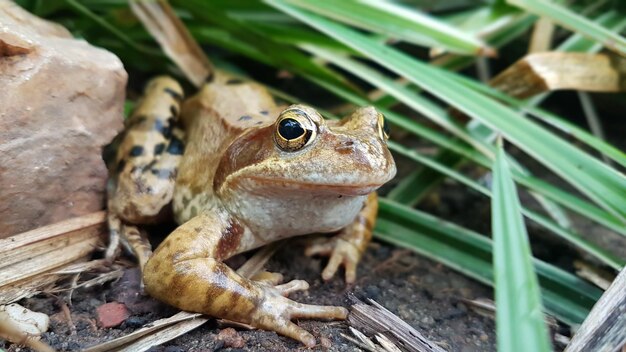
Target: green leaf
{"type": "Point", "coordinates": [574, 22]}
{"type": "Point", "coordinates": [567, 234]}
{"type": "Point", "coordinates": [564, 295]}
{"type": "Point", "coordinates": [397, 22]}
{"type": "Point", "coordinates": [519, 319]}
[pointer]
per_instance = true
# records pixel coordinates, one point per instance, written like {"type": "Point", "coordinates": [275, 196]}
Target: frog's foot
{"type": "Point", "coordinates": [131, 237]}
{"type": "Point", "coordinates": [340, 252]}
{"type": "Point", "coordinates": [347, 247]}
{"type": "Point", "coordinates": [275, 312]}
{"type": "Point", "coordinates": [268, 277]}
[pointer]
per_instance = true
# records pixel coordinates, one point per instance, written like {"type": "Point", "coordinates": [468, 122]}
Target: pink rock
{"type": "Point", "coordinates": [112, 314]}
{"type": "Point", "coordinates": [231, 338]}
{"type": "Point", "coordinates": [61, 100]}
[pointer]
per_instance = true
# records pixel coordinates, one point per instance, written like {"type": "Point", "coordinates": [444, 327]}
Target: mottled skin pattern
{"type": "Point", "coordinates": [239, 185]}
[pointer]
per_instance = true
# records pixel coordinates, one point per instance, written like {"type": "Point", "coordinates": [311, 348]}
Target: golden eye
{"type": "Point", "coordinates": [383, 127]}
{"type": "Point", "coordinates": [294, 130]}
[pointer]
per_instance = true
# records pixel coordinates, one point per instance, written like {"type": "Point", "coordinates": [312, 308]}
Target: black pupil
{"type": "Point", "coordinates": [290, 129]}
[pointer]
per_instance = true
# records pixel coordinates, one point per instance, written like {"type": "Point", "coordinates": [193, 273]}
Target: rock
{"type": "Point", "coordinates": [61, 100]}
{"type": "Point", "coordinates": [231, 338]}
{"type": "Point", "coordinates": [112, 314]}
{"type": "Point", "coordinates": [24, 320]}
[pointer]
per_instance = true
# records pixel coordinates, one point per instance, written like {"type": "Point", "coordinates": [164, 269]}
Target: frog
{"type": "Point", "coordinates": [238, 171]}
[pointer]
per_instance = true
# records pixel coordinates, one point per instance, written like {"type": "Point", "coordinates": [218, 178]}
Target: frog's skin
{"type": "Point", "coordinates": [244, 180]}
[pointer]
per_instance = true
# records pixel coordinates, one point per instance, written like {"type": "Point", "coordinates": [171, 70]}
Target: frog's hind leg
{"type": "Point", "coordinates": [187, 272]}
{"type": "Point", "coordinates": [143, 174]}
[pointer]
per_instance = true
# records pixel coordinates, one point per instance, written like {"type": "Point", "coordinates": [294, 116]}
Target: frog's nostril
{"type": "Point", "coordinates": [345, 147]}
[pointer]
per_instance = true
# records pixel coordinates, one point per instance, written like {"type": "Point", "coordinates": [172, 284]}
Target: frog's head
{"type": "Point", "coordinates": [302, 152]}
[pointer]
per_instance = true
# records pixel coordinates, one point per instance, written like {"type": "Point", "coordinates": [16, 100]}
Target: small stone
{"type": "Point", "coordinates": [27, 321]}
{"type": "Point", "coordinates": [325, 343]}
{"type": "Point", "coordinates": [484, 337]}
{"type": "Point", "coordinates": [427, 321]}
{"type": "Point", "coordinates": [112, 314]}
{"type": "Point", "coordinates": [231, 338]}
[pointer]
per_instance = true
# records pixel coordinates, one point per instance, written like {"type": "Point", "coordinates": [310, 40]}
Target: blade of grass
{"type": "Point", "coordinates": [519, 321]}
{"type": "Point", "coordinates": [590, 176]}
{"type": "Point", "coordinates": [282, 56]}
{"type": "Point", "coordinates": [83, 10]}
{"type": "Point", "coordinates": [397, 22]}
{"type": "Point", "coordinates": [569, 235]}
{"type": "Point", "coordinates": [574, 22]}
{"type": "Point", "coordinates": [565, 296]}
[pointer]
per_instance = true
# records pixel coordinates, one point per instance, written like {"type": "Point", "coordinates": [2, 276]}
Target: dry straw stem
{"type": "Point", "coordinates": [29, 261]}
{"type": "Point", "coordinates": [540, 72]}
{"type": "Point", "coordinates": [374, 319]}
{"type": "Point", "coordinates": [605, 327]}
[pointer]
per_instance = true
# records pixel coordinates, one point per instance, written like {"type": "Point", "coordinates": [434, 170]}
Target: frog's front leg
{"type": "Point", "coordinates": [348, 246]}
{"type": "Point", "coordinates": [143, 173]}
{"type": "Point", "coordinates": [186, 271]}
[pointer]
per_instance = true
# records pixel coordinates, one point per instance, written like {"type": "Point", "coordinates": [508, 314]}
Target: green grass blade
{"type": "Point", "coordinates": [602, 184]}
{"type": "Point", "coordinates": [574, 22]}
{"type": "Point", "coordinates": [83, 10]}
{"type": "Point", "coordinates": [418, 184]}
{"type": "Point", "coordinates": [569, 235]}
{"type": "Point", "coordinates": [519, 320]}
{"type": "Point", "coordinates": [397, 22]}
{"type": "Point", "coordinates": [555, 121]}
{"type": "Point", "coordinates": [565, 296]}
{"type": "Point", "coordinates": [283, 56]}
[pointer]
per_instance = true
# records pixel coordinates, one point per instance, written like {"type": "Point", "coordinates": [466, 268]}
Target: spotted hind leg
{"type": "Point", "coordinates": [142, 175]}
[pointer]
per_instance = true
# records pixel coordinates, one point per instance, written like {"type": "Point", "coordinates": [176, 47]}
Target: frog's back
{"type": "Point", "coordinates": [212, 119]}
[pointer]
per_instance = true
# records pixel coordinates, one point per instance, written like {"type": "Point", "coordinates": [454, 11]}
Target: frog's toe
{"type": "Point", "coordinates": [268, 277]}
{"type": "Point", "coordinates": [340, 252]}
{"type": "Point", "coordinates": [275, 312]}
{"type": "Point", "coordinates": [292, 286]}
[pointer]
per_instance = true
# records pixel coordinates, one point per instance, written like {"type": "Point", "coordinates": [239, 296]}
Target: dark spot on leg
{"type": "Point", "coordinates": [160, 127]}
{"type": "Point", "coordinates": [177, 96]}
{"type": "Point", "coordinates": [159, 148]}
{"type": "Point", "coordinates": [259, 122]}
{"type": "Point", "coordinates": [264, 112]}
{"type": "Point", "coordinates": [136, 151]}
{"type": "Point", "coordinates": [176, 146]}
{"type": "Point", "coordinates": [174, 110]}
{"type": "Point", "coordinates": [120, 166]}
{"type": "Point", "coordinates": [229, 241]}
{"type": "Point", "coordinates": [234, 81]}
{"type": "Point", "coordinates": [245, 118]}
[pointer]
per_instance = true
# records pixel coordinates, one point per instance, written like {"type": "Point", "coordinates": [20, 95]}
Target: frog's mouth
{"type": "Point", "coordinates": [286, 185]}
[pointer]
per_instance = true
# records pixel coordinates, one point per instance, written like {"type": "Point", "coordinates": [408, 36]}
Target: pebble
{"type": "Point", "coordinates": [111, 314]}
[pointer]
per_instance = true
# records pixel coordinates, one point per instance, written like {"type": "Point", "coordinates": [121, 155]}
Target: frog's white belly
{"type": "Point", "coordinates": [272, 218]}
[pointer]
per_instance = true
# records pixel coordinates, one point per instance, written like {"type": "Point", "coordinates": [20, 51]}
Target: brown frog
{"type": "Point", "coordinates": [238, 172]}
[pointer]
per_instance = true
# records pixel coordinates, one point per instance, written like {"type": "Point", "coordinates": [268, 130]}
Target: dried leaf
{"type": "Point", "coordinates": [541, 72]}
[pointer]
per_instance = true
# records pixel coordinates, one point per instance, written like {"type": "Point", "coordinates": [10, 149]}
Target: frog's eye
{"type": "Point", "coordinates": [383, 127]}
{"type": "Point", "coordinates": [294, 130]}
